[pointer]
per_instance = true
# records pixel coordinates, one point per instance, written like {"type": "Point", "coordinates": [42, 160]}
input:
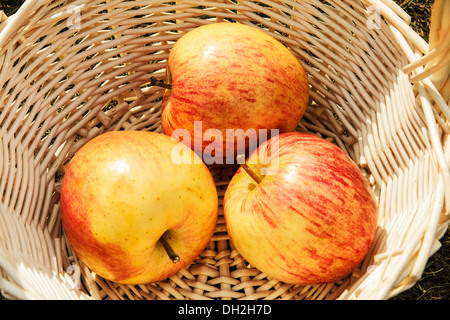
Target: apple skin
{"type": "Point", "coordinates": [121, 192]}
{"type": "Point", "coordinates": [311, 221]}
{"type": "Point", "coordinates": [231, 76]}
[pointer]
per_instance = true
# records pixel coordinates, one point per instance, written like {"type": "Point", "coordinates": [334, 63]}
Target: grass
{"type": "Point", "coordinates": [10, 6]}
{"type": "Point", "coordinates": [420, 11]}
{"type": "Point", "coordinates": [435, 281]}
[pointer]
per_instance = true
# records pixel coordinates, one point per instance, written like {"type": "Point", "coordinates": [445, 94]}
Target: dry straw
{"type": "Point", "coordinates": [71, 70]}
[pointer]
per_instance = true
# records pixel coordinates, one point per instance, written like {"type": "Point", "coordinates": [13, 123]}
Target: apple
{"type": "Point", "coordinates": [230, 76]}
{"type": "Point", "coordinates": [310, 218]}
{"type": "Point", "coordinates": [131, 213]}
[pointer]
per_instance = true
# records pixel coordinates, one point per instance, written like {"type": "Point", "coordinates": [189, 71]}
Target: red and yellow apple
{"type": "Point", "coordinates": [131, 213]}
{"type": "Point", "coordinates": [310, 218]}
{"type": "Point", "coordinates": [231, 76]}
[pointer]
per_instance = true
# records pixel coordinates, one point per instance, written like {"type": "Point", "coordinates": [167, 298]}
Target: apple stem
{"type": "Point", "coordinates": [172, 255]}
{"type": "Point", "coordinates": [250, 172]}
{"type": "Point", "coordinates": [160, 83]}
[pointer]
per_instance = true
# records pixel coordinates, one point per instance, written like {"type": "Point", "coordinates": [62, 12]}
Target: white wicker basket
{"type": "Point", "coordinates": [71, 70]}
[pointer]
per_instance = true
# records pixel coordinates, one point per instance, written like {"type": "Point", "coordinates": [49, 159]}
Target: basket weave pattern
{"type": "Point", "coordinates": [73, 70]}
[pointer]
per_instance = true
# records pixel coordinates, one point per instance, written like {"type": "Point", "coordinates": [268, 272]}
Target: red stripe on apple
{"type": "Point", "coordinates": [311, 220]}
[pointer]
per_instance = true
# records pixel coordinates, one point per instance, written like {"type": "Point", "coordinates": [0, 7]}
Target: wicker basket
{"type": "Point", "coordinates": [71, 70]}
